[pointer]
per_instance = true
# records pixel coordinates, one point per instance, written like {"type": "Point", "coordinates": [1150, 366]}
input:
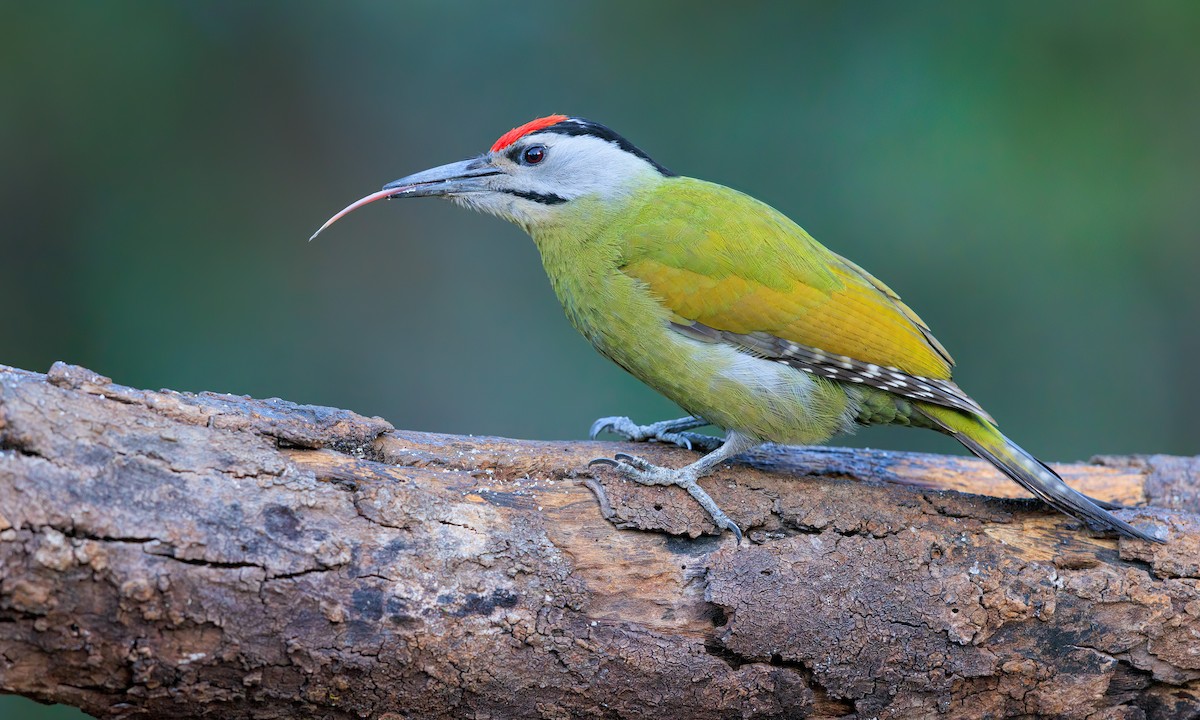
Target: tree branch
{"type": "Point", "coordinates": [175, 555]}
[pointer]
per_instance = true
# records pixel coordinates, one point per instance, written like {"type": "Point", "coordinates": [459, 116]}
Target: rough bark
{"type": "Point", "coordinates": [173, 555]}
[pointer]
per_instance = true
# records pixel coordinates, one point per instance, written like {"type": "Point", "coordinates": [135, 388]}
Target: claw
{"type": "Point", "coordinates": [616, 425]}
{"type": "Point", "coordinates": [603, 461]}
{"type": "Point", "coordinates": [679, 439]}
{"type": "Point", "coordinates": [601, 497]}
{"type": "Point", "coordinates": [597, 427]}
{"type": "Point", "coordinates": [635, 462]}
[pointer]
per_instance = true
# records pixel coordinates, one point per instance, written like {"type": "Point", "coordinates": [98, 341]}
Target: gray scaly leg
{"type": "Point", "coordinates": [644, 473]}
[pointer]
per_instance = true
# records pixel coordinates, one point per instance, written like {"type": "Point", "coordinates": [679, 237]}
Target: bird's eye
{"type": "Point", "coordinates": [534, 154]}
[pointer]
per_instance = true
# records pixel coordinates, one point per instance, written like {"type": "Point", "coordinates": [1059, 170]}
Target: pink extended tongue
{"type": "Point", "coordinates": [359, 203]}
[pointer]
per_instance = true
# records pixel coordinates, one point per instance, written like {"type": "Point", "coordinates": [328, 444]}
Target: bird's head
{"type": "Point", "coordinates": [534, 173]}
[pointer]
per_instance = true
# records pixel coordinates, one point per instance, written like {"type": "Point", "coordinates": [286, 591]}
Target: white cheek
{"type": "Point", "coordinates": [575, 167]}
{"type": "Point", "coordinates": [580, 166]}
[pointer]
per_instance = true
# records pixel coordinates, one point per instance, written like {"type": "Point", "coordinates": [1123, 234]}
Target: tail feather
{"type": "Point", "coordinates": [1105, 503]}
{"type": "Point", "coordinates": [983, 439]}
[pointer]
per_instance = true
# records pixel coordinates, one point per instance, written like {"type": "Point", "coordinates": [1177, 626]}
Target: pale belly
{"type": "Point", "coordinates": [762, 399]}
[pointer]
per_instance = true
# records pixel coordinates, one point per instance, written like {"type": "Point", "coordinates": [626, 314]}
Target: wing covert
{"type": "Point", "coordinates": [721, 258]}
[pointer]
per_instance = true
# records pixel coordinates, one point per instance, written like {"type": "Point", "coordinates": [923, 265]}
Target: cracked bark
{"type": "Point", "coordinates": [169, 554]}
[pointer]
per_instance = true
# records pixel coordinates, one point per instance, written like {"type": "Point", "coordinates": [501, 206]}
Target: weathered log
{"type": "Point", "coordinates": [174, 555]}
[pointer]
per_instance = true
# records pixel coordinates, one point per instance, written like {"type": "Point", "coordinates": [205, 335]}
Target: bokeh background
{"type": "Point", "coordinates": [1025, 174]}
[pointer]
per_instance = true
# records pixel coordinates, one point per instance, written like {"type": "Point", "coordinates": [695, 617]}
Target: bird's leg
{"type": "Point", "coordinates": [673, 432]}
{"type": "Point", "coordinates": [642, 472]}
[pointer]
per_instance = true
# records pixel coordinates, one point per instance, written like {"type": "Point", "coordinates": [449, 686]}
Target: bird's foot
{"type": "Point", "coordinates": [642, 472]}
{"type": "Point", "coordinates": [672, 432]}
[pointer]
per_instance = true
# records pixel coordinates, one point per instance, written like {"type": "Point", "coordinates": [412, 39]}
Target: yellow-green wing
{"type": "Point", "coordinates": [718, 257]}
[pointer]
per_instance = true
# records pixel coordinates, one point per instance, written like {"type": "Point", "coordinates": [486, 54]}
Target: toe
{"type": "Point", "coordinates": [635, 461]}
{"type": "Point", "coordinates": [601, 425]}
{"type": "Point", "coordinates": [676, 439]}
{"type": "Point", "coordinates": [616, 425]}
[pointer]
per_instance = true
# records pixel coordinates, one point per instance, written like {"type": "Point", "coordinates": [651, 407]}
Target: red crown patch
{"type": "Point", "coordinates": [517, 133]}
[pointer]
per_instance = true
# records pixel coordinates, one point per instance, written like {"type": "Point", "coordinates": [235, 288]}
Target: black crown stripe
{"type": "Point", "coordinates": [578, 126]}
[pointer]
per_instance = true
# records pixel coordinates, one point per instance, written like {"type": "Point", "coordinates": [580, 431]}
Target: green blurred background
{"type": "Point", "coordinates": [1025, 174]}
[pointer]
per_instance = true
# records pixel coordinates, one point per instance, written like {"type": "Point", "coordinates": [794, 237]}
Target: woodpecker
{"type": "Point", "coordinates": [723, 305]}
